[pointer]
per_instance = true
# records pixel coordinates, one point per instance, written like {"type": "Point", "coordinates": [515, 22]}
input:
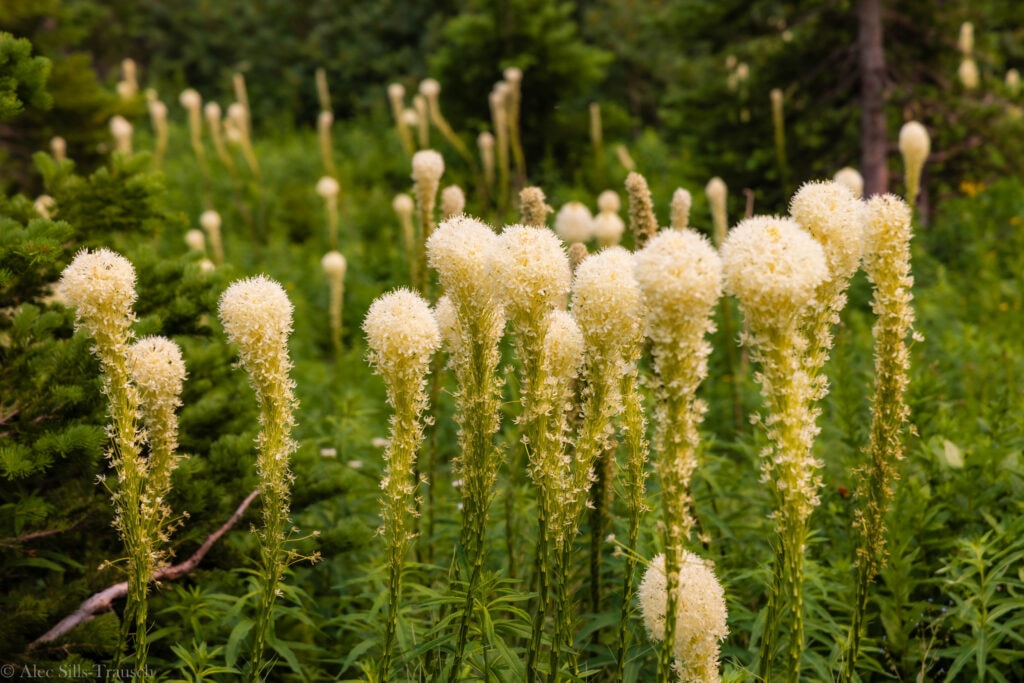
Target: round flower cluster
{"type": "Point", "coordinates": [327, 187]}
{"type": "Point", "coordinates": [453, 201]}
{"type": "Point", "coordinates": [459, 250]}
{"type": "Point", "coordinates": [101, 286]}
{"type": "Point", "coordinates": [334, 264]}
{"type": "Point", "coordinates": [402, 334]}
{"type": "Point", "coordinates": [835, 217]}
{"type": "Point", "coordinates": [607, 300]}
{"type": "Point", "coordinates": [773, 266]}
{"type": "Point", "coordinates": [257, 317]}
{"type": "Point", "coordinates": [563, 345]}
{"type": "Point", "coordinates": [530, 269]}
{"type": "Point", "coordinates": [680, 274]}
{"type": "Point", "coordinates": [700, 614]}
{"type": "Point", "coordinates": [157, 368]}
{"type": "Point", "coordinates": [574, 223]}
{"type": "Point", "coordinates": [427, 166]}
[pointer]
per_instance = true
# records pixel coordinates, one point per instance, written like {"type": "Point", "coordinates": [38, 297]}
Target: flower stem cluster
{"type": "Point", "coordinates": [142, 384]}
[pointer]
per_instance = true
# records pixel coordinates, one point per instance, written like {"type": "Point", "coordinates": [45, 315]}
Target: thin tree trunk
{"type": "Point", "coordinates": [873, 139]}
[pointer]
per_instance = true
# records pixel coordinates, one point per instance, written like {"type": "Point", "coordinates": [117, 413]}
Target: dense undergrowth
{"type": "Point", "coordinates": [947, 607]}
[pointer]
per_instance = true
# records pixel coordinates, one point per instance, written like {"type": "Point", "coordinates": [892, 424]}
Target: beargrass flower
{"type": "Point", "coordinates": [700, 620]}
{"type": "Point", "coordinates": [574, 223]}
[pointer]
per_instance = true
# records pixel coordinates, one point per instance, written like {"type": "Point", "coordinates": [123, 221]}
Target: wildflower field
{"type": "Point", "coordinates": [357, 373]}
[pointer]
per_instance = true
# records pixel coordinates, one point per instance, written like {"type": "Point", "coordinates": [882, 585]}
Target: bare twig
{"type": "Point", "coordinates": [104, 600]}
{"type": "Point", "coordinates": [16, 540]}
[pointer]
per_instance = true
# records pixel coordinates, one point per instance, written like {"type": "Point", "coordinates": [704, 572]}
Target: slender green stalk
{"type": "Point", "coordinates": [636, 476]}
{"type": "Point", "coordinates": [887, 262]}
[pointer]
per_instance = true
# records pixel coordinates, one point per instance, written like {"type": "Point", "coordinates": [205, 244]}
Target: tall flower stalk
{"type": "Point", "coordinates": [101, 287]}
{"type": "Point", "coordinates": [532, 273]}
{"type": "Point", "coordinates": [680, 274]}
{"type": "Point", "coordinates": [257, 318]}
{"type": "Point", "coordinates": [472, 323]}
{"type": "Point", "coordinates": [774, 268]}
{"type": "Point", "coordinates": [608, 304]}
{"type": "Point", "coordinates": [887, 262]}
{"type": "Point", "coordinates": [402, 335]}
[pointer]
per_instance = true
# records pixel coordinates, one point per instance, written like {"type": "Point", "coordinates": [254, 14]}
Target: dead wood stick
{"type": "Point", "coordinates": [104, 600]}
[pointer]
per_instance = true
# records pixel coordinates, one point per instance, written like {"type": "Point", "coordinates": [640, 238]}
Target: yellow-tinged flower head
{"type": "Point", "coordinates": [453, 201]}
{"type": "Point", "coordinates": [574, 223]}
{"type": "Point", "coordinates": [530, 269]}
{"type": "Point", "coordinates": [642, 220]}
{"type": "Point", "coordinates": [45, 205]}
{"type": "Point", "coordinates": [190, 99]}
{"type": "Point", "coordinates": [608, 228]}
{"type": "Point", "coordinates": [888, 228]}
{"type": "Point", "coordinates": [485, 140]}
{"type": "Point", "coordinates": [700, 616]}
{"type": "Point", "coordinates": [327, 187]}
{"type": "Point", "coordinates": [334, 264]}
{"type": "Point", "coordinates": [427, 167]}
{"type": "Point", "coordinates": [122, 132]}
{"type": "Point", "coordinates": [257, 318]}
{"type": "Point", "coordinates": [915, 146]}
{"type": "Point", "coordinates": [681, 202]}
{"type": "Point", "coordinates": [852, 179]}
{"type": "Point", "coordinates": [157, 112]}
{"type": "Point", "coordinates": [59, 147]}
{"type": "Point", "coordinates": [402, 334]}
{"type": "Point", "coordinates": [1013, 82]}
{"type": "Point", "coordinates": [403, 205]}
{"type": "Point", "coordinates": [212, 112]}
{"type": "Point", "coordinates": [968, 73]}
{"type": "Point", "coordinates": [563, 346]}
{"type": "Point", "coordinates": [513, 75]}
{"type": "Point", "coordinates": [396, 91]}
{"type": "Point", "coordinates": [835, 217]}
{"type": "Point", "coordinates": [680, 275]}
{"type": "Point", "coordinates": [773, 266]}
{"type": "Point", "coordinates": [210, 220]}
{"type": "Point", "coordinates": [607, 300]}
{"type": "Point", "coordinates": [717, 193]}
{"type": "Point", "coordinates": [429, 87]}
{"type": "Point", "coordinates": [460, 251]}
{"type": "Point", "coordinates": [448, 325]}
{"type": "Point", "coordinates": [158, 369]}
{"type": "Point", "coordinates": [101, 286]}
{"type": "Point", "coordinates": [196, 240]}
{"type": "Point", "coordinates": [609, 201]}
{"type": "Point", "coordinates": [965, 42]}
{"type": "Point", "coordinates": [533, 207]}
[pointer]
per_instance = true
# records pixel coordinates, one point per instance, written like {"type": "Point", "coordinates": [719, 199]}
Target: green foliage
{"type": "Point", "coordinates": [541, 37]}
{"type": "Point", "coordinates": [22, 77]}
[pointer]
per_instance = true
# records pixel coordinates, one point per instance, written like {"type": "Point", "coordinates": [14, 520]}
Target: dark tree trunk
{"type": "Point", "coordinates": [874, 143]}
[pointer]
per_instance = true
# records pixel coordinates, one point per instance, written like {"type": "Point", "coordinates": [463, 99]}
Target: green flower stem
{"type": "Point", "coordinates": [636, 476]}
{"type": "Point", "coordinates": [479, 404]}
{"type": "Point", "coordinates": [791, 429]}
{"type": "Point", "coordinates": [275, 446]}
{"type": "Point", "coordinates": [130, 468]}
{"type": "Point", "coordinates": [397, 510]}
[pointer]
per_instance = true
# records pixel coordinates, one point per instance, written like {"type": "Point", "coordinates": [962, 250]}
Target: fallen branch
{"type": "Point", "coordinates": [104, 600]}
